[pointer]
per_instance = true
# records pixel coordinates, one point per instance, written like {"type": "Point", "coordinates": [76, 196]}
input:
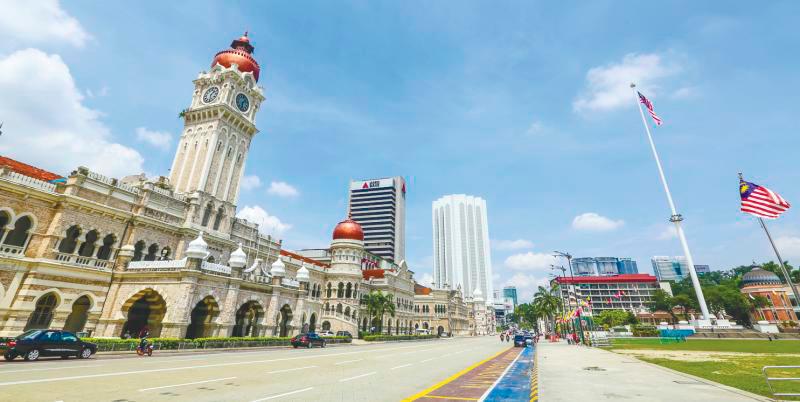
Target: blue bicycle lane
{"type": "Point", "coordinates": [516, 383]}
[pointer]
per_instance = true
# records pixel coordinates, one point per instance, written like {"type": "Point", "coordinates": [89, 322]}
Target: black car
{"type": "Point", "coordinates": [37, 343]}
{"type": "Point", "coordinates": [521, 340]}
{"type": "Point", "coordinates": [307, 340]}
{"type": "Point", "coordinates": [346, 334]}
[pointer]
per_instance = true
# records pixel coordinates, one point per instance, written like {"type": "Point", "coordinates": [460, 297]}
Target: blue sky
{"type": "Point", "coordinates": [522, 103]}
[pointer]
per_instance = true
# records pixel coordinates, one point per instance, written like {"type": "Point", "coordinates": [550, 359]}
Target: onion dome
{"type": "Point", "coordinates": [760, 276]}
{"type": "Point", "coordinates": [278, 268]}
{"type": "Point", "coordinates": [238, 258]}
{"type": "Point", "coordinates": [241, 54]}
{"type": "Point", "coordinates": [303, 274]}
{"type": "Point", "coordinates": [348, 229]}
{"type": "Point", "coordinates": [198, 248]}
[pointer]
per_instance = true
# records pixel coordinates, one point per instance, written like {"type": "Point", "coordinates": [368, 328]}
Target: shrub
{"type": "Point", "coordinates": [110, 344]}
{"type": "Point", "coordinates": [371, 338]}
{"type": "Point", "coordinates": [644, 330]}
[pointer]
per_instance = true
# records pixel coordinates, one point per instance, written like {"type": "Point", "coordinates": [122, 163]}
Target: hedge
{"type": "Point", "coordinates": [112, 344]}
{"type": "Point", "coordinates": [644, 330]}
{"type": "Point", "coordinates": [370, 338]}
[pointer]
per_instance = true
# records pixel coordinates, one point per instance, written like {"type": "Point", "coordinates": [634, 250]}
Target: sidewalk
{"type": "Point", "coordinates": [578, 373]}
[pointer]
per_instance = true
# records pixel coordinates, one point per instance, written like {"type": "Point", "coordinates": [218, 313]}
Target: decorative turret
{"type": "Point", "coordinates": [238, 258]}
{"type": "Point", "coordinates": [241, 54]}
{"type": "Point", "coordinates": [303, 274]}
{"type": "Point", "coordinates": [198, 248]}
{"type": "Point", "coordinates": [347, 249]}
{"type": "Point", "coordinates": [278, 269]}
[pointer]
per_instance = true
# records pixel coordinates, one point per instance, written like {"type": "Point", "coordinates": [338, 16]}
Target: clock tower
{"type": "Point", "coordinates": [218, 128]}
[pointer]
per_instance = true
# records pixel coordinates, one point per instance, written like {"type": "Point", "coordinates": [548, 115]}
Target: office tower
{"type": "Point", "coordinates": [379, 205]}
{"type": "Point", "coordinates": [511, 293]}
{"type": "Point", "coordinates": [670, 268]}
{"type": "Point", "coordinates": [627, 266]}
{"type": "Point", "coordinates": [461, 244]}
{"type": "Point", "coordinates": [590, 266]}
{"type": "Point", "coordinates": [702, 269]}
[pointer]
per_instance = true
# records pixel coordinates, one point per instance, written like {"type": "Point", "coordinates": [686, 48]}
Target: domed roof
{"type": "Point", "coordinates": [238, 258]}
{"type": "Point", "coordinates": [348, 229]}
{"type": "Point", "coordinates": [240, 53]}
{"type": "Point", "coordinates": [760, 276]}
{"type": "Point", "coordinates": [278, 268]}
{"type": "Point", "coordinates": [198, 248]}
{"type": "Point", "coordinates": [303, 274]}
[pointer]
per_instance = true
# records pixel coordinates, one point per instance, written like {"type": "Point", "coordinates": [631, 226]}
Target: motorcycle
{"type": "Point", "coordinates": [146, 349]}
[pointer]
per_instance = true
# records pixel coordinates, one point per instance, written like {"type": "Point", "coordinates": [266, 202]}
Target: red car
{"type": "Point", "coordinates": [307, 340]}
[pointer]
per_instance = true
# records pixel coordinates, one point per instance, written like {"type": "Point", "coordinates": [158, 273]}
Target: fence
{"type": "Point", "coordinates": [782, 391]}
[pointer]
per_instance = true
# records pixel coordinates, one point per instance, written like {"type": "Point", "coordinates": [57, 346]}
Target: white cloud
{"type": "Point", "coordinates": [46, 123]}
{"type": "Point", "coordinates": [426, 279]}
{"type": "Point", "coordinates": [39, 22]}
{"type": "Point", "coordinates": [684, 92]}
{"type": "Point", "coordinates": [530, 261]}
{"type": "Point", "coordinates": [282, 189]}
{"type": "Point", "coordinates": [608, 86]}
{"type": "Point", "coordinates": [535, 129]}
{"type": "Point", "coordinates": [158, 139]}
{"type": "Point", "coordinates": [668, 233]}
{"type": "Point", "coordinates": [591, 221]}
{"type": "Point", "coordinates": [250, 182]}
{"type": "Point", "coordinates": [789, 246]}
{"type": "Point", "coordinates": [512, 244]}
{"type": "Point", "coordinates": [268, 224]}
{"type": "Point", "coordinates": [526, 285]}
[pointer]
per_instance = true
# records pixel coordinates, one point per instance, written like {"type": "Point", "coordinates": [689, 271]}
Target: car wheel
{"type": "Point", "coordinates": [85, 353]}
{"type": "Point", "coordinates": [9, 356]}
{"type": "Point", "coordinates": [32, 355]}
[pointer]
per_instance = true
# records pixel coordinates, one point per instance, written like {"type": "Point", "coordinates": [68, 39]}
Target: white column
{"type": "Point", "coordinates": [194, 163]}
{"type": "Point", "coordinates": [207, 165]}
{"type": "Point", "coordinates": [222, 162]}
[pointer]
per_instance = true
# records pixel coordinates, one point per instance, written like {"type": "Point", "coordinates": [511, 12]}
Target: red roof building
{"type": "Point", "coordinates": [632, 292]}
{"type": "Point", "coordinates": [304, 259]}
{"type": "Point", "coordinates": [28, 170]}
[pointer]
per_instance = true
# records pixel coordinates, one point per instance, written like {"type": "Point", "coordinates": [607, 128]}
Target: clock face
{"type": "Point", "coordinates": [211, 94]}
{"type": "Point", "coordinates": [242, 102]}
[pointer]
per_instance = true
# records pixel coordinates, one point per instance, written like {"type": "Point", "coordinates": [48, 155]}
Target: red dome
{"type": "Point", "coordinates": [348, 229]}
{"type": "Point", "coordinates": [240, 53]}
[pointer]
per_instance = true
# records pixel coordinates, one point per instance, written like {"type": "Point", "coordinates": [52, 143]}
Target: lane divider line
{"type": "Point", "coordinates": [399, 367]}
{"type": "Point", "coordinates": [291, 369]}
{"type": "Point", "coordinates": [284, 394]}
{"type": "Point", "coordinates": [348, 362]}
{"type": "Point", "coordinates": [358, 376]}
{"type": "Point", "coordinates": [450, 379]}
{"type": "Point", "coordinates": [186, 383]}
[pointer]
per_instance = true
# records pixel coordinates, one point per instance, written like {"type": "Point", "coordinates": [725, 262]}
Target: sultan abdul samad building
{"type": "Point", "coordinates": [106, 256]}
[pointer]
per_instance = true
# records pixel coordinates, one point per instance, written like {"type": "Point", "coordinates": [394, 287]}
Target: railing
{"type": "Point", "coordinates": [130, 189]}
{"type": "Point", "coordinates": [157, 265]}
{"type": "Point", "coordinates": [779, 395]}
{"type": "Point", "coordinates": [98, 177]}
{"type": "Point", "coordinates": [12, 251]}
{"type": "Point", "coordinates": [30, 182]}
{"type": "Point", "coordinates": [257, 278]}
{"type": "Point", "coordinates": [341, 316]}
{"type": "Point", "coordinates": [215, 268]}
{"type": "Point", "coordinates": [89, 262]}
{"type": "Point", "coordinates": [292, 283]}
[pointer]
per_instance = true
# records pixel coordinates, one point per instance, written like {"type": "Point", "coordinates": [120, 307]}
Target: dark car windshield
{"type": "Point", "coordinates": [29, 334]}
{"type": "Point", "coordinates": [519, 338]}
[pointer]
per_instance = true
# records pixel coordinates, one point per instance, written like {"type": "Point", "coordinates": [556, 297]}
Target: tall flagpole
{"type": "Point", "coordinates": [780, 260]}
{"type": "Point", "coordinates": [676, 218]}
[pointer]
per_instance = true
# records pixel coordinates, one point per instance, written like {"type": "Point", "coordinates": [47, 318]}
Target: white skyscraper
{"type": "Point", "coordinates": [379, 205]}
{"type": "Point", "coordinates": [461, 244]}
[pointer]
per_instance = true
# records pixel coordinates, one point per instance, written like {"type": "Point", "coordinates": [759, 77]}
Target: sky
{"type": "Point", "coordinates": [526, 104]}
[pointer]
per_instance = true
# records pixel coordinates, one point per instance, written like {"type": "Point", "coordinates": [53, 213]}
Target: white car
{"type": "Point", "coordinates": [326, 333]}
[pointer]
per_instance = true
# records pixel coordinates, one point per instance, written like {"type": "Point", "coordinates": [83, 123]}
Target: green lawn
{"type": "Point", "coordinates": [712, 345]}
{"type": "Point", "coordinates": [741, 372]}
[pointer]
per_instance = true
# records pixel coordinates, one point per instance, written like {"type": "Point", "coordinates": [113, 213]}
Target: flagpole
{"type": "Point", "coordinates": [780, 260]}
{"type": "Point", "coordinates": [676, 218]}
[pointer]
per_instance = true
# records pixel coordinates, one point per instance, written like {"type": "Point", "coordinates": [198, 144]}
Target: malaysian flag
{"type": "Point", "coordinates": [646, 102]}
{"type": "Point", "coordinates": [761, 201]}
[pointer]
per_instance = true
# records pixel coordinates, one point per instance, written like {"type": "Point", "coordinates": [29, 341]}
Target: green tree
{"type": "Point", "coordinates": [378, 305]}
{"type": "Point", "coordinates": [662, 301]}
{"type": "Point", "coordinates": [684, 302]}
{"type": "Point", "coordinates": [612, 318]}
{"type": "Point", "coordinates": [547, 303]}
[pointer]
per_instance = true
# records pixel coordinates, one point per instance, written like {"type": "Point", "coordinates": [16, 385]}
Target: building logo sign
{"type": "Point", "coordinates": [371, 184]}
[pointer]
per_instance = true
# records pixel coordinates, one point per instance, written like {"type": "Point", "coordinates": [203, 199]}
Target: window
{"type": "Point", "coordinates": [19, 235]}
{"type": "Point", "coordinates": [68, 337]}
{"type": "Point", "coordinates": [218, 218]}
{"type": "Point", "coordinates": [206, 215]}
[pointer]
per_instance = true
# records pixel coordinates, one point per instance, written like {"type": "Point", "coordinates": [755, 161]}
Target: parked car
{"type": "Point", "coordinates": [421, 331]}
{"type": "Point", "coordinates": [344, 333]}
{"type": "Point", "coordinates": [326, 333]}
{"type": "Point", "coordinates": [37, 343]}
{"type": "Point", "coordinates": [307, 340]}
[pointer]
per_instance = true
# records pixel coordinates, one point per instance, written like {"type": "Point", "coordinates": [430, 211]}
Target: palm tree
{"type": "Point", "coordinates": [378, 305]}
{"type": "Point", "coordinates": [547, 303]}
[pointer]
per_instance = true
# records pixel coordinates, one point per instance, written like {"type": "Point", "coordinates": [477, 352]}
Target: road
{"type": "Point", "coordinates": [375, 372]}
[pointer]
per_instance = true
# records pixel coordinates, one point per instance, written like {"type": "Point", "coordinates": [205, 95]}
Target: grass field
{"type": "Point", "coordinates": [717, 360]}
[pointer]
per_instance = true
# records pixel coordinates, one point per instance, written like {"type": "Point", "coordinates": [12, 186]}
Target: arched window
{"type": "Point", "coordinates": [76, 320]}
{"type": "Point", "coordinates": [19, 235]}
{"type": "Point", "coordinates": [327, 307]}
{"type": "Point", "coordinates": [218, 218]}
{"type": "Point", "coordinates": [70, 241]}
{"type": "Point", "coordinates": [88, 246]}
{"type": "Point", "coordinates": [349, 291]}
{"type": "Point", "coordinates": [105, 250]}
{"type": "Point", "coordinates": [5, 218]}
{"type": "Point", "coordinates": [138, 250]}
{"type": "Point", "coordinates": [329, 291]}
{"type": "Point", "coordinates": [206, 215]}
{"type": "Point", "coordinates": [43, 314]}
{"type": "Point", "coordinates": [355, 291]}
{"type": "Point", "coordinates": [339, 308]}
{"type": "Point", "coordinates": [347, 311]}
{"type": "Point", "coordinates": [340, 290]}
{"type": "Point", "coordinates": [152, 252]}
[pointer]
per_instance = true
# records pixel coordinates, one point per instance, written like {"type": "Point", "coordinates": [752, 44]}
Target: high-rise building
{"type": "Point", "coordinates": [702, 269]}
{"type": "Point", "coordinates": [379, 205]}
{"type": "Point", "coordinates": [511, 293]}
{"type": "Point", "coordinates": [670, 268]}
{"type": "Point", "coordinates": [589, 266]}
{"type": "Point", "coordinates": [461, 244]}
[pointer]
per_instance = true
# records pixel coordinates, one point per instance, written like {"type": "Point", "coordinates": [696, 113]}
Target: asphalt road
{"type": "Point", "coordinates": [379, 372]}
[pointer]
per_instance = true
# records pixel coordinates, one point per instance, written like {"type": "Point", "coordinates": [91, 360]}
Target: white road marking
{"type": "Point", "coordinates": [186, 383]}
{"type": "Point", "coordinates": [291, 369]}
{"type": "Point", "coordinates": [49, 368]}
{"type": "Point", "coordinates": [358, 376]}
{"type": "Point", "coordinates": [156, 370]}
{"type": "Point", "coordinates": [284, 394]}
{"type": "Point", "coordinates": [348, 362]}
{"type": "Point", "coordinates": [424, 361]}
{"type": "Point", "coordinates": [397, 367]}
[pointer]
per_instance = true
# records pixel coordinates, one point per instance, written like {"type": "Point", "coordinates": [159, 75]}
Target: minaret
{"type": "Point", "coordinates": [219, 125]}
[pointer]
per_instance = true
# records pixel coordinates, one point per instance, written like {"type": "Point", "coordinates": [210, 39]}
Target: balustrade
{"type": "Point", "coordinates": [88, 262]}
{"type": "Point", "coordinates": [11, 251]}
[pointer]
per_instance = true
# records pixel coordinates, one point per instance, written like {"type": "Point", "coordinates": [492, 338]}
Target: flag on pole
{"type": "Point", "coordinates": [649, 105]}
{"type": "Point", "coordinates": [761, 201]}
